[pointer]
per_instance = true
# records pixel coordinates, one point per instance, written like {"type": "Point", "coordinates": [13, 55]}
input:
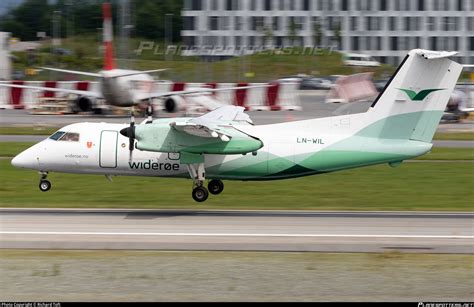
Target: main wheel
{"type": "Point", "coordinates": [200, 194]}
{"type": "Point", "coordinates": [215, 186]}
{"type": "Point", "coordinates": [44, 185]}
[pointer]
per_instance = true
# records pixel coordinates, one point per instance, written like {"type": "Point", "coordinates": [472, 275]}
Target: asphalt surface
{"type": "Point", "coordinates": [237, 230]}
{"type": "Point", "coordinates": [313, 106]}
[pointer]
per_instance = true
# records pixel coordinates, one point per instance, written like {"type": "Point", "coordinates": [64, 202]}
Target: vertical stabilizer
{"type": "Point", "coordinates": [109, 62]}
{"type": "Point", "coordinates": [413, 101]}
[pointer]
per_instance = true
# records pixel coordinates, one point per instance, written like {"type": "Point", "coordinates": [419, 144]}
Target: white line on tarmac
{"type": "Point", "coordinates": [164, 234]}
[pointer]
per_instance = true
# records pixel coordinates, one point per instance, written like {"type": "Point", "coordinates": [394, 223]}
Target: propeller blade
{"type": "Point", "coordinates": [130, 133]}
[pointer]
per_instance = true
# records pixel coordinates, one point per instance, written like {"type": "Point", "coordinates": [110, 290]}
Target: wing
{"type": "Point", "coordinates": [215, 124]}
{"type": "Point", "coordinates": [52, 89]}
{"type": "Point", "coordinates": [224, 114]}
{"type": "Point", "coordinates": [74, 72]}
{"type": "Point", "coordinates": [202, 130]}
{"type": "Point", "coordinates": [146, 96]}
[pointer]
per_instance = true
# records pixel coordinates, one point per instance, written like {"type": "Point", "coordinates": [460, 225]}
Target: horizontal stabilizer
{"type": "Point", "coordinates": [432, 55]}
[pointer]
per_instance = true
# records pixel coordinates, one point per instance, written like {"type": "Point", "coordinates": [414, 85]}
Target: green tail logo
{"type": "Point", "coordinates": [420, 96]}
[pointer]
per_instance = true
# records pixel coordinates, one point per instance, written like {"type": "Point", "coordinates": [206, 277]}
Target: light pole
{"type": "Point", "coordinates": [168, 35]}
{"type": "Point", "coordinates": [99, 42]}
{"type": "Point", "coordinates": [125, 29]}
{"type": "Point", "coordinates": [56, 39]}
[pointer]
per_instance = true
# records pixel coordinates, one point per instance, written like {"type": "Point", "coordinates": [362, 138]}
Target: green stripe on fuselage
{"type": "Point", "coordinates": [362, 149]}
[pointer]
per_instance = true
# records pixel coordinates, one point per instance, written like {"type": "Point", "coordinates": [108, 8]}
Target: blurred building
{"type": "Point", "coordinates": [5, 61]}
{"type": "Point", "coordinates": [385, 29]}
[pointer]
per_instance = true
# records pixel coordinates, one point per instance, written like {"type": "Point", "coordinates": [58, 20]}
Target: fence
{"type": "Point", "coordinates": [275, 97]}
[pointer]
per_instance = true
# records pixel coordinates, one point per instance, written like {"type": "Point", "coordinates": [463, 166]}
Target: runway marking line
{"type": "Point", "coordinates": [177, 234]}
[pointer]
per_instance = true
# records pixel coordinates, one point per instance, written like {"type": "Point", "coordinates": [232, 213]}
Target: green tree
{"type": "Point", "coordinates": [267, 35]}
{"type": "Point", "coordinates": [336, 34]}
{"type": "Point", "coordinates": [85, 16]}
{"type": "Point", "coordinates": [151, 18]}
{"type": "Point", "coordinates": [292, 31]}
{"type": "Point", "coordinates": [317, 33]}
{"type": "Point", "coordinates": [27, 19]}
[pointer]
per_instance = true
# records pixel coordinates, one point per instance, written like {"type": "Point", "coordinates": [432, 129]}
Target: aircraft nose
{"type": "Point", "coordinates": [26, 159]}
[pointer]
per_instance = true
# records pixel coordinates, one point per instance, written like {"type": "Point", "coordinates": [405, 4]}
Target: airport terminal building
{"type": "Point", "coordinates": [385, 29]}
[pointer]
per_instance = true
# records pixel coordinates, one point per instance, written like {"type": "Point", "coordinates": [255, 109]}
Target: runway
{"type": "Point", "coordinates": [237, 230]}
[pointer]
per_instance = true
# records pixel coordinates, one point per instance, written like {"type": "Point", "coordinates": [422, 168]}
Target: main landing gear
{"type": "Point", "coordinates": [198, 174]}
{"type": "Point", "coordinates": [44, 185]}
{"type": "Point", "coordinates": [215, 187]}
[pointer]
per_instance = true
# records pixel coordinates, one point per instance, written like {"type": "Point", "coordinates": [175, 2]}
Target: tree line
{"type": "Point", "coordinates": [75, 17]}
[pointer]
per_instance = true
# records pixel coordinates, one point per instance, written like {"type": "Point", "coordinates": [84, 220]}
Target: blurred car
{"type": "Point", "coordinates": [354, 59]}
{"type": "Point", "coordinates": [380, 84]}
{"type": "Point", "coordinates": [293, 78]}
{"type": "Point", "coordinates": [18, 75]}
{"type": "Point", "coordinates": [316, 84]}
{"type": "Point", "coordinates": [62, 51]}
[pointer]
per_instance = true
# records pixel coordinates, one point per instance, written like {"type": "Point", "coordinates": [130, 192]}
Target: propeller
{"type": "Point", "coordinates": [130, 133]}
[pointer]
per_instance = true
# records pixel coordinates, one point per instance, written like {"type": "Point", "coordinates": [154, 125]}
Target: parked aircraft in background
{"type": "Point", "coordinates": [120, 87]}
{"type": "Point", "coordinates": [225, 145]}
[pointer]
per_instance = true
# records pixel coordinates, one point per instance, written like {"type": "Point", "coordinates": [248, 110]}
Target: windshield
{"type": "Point", "coordinates": [65, 136]}
{"type": "Point", "coordinates": [57, 135]}
{"type": "Point", "coordinates": [70, 137]}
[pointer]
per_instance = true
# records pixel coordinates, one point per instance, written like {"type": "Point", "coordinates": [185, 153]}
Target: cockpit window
{"type": "Point", "coordinates": [70, 137]}
{"type": "Point", "coordinates": [56, 136]}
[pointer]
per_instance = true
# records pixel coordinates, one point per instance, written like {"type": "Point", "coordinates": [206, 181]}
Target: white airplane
{"type": "Point", "coordinates": [124, 88]}
{"type": "Point", "coordinates": [225, 145]}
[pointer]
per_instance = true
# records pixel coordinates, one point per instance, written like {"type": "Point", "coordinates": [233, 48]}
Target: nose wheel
{"type": "Point", "coordinates": [44, 184]}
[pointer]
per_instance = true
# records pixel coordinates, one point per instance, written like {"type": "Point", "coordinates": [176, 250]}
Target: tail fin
{"type": "Point", "coordinates": [109, 62]}
{"type": "Point", "coordinates": [413, 101]}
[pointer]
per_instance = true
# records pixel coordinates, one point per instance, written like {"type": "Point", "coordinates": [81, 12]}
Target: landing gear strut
{"type": "Point", "coordinates": [44, 185]}
{"type": "Point", "coordinates": [198, 174]}
{"type": "Point", "coordinates": [149, 113]}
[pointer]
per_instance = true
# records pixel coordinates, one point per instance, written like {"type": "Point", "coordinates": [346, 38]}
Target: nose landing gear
{"type": "Point", "coordinates": [44, 185]}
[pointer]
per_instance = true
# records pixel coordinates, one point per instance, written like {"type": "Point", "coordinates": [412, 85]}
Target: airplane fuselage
{"type": "Point", "coordinates": [120, 91]}
{"type": "Point", "coordinates": [290, 150]}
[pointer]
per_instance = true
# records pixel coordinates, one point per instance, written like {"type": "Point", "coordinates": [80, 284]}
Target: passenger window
{"type": "Point", "coordinates": [56, 136]}
{"type": "Point", "coordinates": [70, 137]}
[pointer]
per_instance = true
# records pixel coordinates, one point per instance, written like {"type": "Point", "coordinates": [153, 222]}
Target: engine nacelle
{"type": "Point", "coordinates": [83, 104]}
{"type": "Point", "coordinates": [174, 104]}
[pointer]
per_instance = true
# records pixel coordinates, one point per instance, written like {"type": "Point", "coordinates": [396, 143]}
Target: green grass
{"type": "Point", "coordinates": [449, 154]}
{"type": "Point", "coordinates": [265, 66]}
{"type": "Point", "coordinates": [455, 136]}
{"type": "Point", "coordinates": [27, 130]}
{"type": "Point", "coordinates": [414, 186]}
{"type": "Point", "coordinates": [10, 149]}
